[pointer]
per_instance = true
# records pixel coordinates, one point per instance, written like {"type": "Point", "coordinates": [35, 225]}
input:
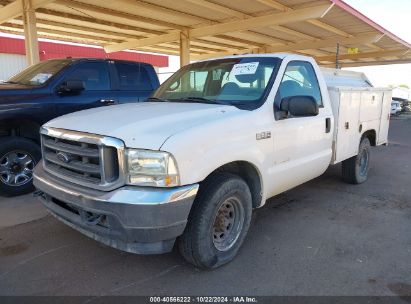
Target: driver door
{"type": "Point", "coordinates": [96, 78]}
{"type": "Point", "coordinates": [302, 145]}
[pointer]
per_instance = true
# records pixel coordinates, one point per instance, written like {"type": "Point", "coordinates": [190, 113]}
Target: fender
{"type": "Point", "coordinates": [199, 151]}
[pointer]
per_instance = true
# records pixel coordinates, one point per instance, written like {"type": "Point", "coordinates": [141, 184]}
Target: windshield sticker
{"type": "Point", "coordinates": [245, 68]}
{"type": "Point", "coordinates": [40, 78]}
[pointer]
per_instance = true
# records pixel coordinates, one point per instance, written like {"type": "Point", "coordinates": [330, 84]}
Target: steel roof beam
{"type": "Point", "coordinates": [304, 45]}
{"type": "Point", "coordinates": [226, 27]}
{"type": "Point", "coordinates": [15, 9]}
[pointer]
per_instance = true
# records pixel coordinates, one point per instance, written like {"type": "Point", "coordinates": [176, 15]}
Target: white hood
{"type": "Point", "coordinates": [145, 125]}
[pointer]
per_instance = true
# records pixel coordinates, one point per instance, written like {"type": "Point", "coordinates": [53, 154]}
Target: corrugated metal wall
{"type": "Point", "coordinates": [13, 60]}
{"type": "Point", "coordinates": [11, 64]}
{"type": "Point", "coordinates": [50, 50]}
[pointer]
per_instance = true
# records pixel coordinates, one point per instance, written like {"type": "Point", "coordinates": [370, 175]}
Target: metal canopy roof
{"type": "Point", "coordinates": [199, 29]}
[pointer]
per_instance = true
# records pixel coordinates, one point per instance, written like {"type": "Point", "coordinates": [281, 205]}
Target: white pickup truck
{"type": "Point", "coordinates": [215, 141]}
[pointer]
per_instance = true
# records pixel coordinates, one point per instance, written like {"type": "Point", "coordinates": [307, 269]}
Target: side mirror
{"type": "Point", "coordinates": [71, 87]}
{"type": "Point", "coordinates": [299, 106]}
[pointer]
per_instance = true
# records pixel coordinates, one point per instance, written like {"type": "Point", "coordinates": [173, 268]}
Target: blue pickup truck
{"type": "Point", "coordinates": [53, 88]}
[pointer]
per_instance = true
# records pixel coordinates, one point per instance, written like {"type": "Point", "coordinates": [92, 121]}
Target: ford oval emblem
{"type": "Point", "coordinates": [63, 157]}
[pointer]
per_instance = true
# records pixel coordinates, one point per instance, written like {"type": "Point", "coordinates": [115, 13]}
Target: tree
{"type": "Point", "coordinates": [404, 86]}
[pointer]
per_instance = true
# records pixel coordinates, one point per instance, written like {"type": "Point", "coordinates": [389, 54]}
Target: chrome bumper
{"type": "Point", "coordinates": [134, 219]}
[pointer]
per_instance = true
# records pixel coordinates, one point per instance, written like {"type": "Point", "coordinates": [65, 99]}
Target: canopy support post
{"type": "Point", "coordinates": [30, 33]}
{"type": "Point", "coordinates": [184, 48]}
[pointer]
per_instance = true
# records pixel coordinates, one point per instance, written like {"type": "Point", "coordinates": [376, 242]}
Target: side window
{"type": "Point", "coordinates": [299, 79]}
{"type": "Point", "coordinates": [133, 77]}
{"type": "Point", "coordinates": [95, 76]}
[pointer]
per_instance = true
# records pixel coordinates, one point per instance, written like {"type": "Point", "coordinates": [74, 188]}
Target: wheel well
{"type": "Point", "coordinates": [24, 128]}
{"type": "Point", "coordinates": [249, 173]}
{"type": "Point", "coordinates": [371, 135]}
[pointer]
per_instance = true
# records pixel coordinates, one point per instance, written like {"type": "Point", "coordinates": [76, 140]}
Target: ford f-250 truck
{"type": "Point", "coordinates": [214, 141]}
{"type": "Point", "coordinates": [50, 89]}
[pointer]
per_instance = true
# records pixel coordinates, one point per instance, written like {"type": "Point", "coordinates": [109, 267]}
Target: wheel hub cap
{"type": "Point", "coordinates": [363, 162]}
{"type": "Point", "coordinates": [228, 224]}
{"type": "Point", "coordinates": [16, 168]}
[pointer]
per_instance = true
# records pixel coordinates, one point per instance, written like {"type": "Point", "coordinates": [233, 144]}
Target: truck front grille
{"type": "Point", "coordinates": [84, 159]}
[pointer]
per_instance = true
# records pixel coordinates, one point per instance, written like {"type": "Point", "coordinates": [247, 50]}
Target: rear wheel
{"type": "Point", "coordinates": [18, 157]}
{"type": "Point", "coordinates": [218, 222]}
{"type": "Point", "coordinates": [355, 169]}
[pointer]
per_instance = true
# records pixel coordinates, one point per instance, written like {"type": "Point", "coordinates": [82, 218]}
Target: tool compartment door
{"type": "Point", "coordinates": [347, 126]}
{"type": "Point", "coordinates": [385, 118]}
{"type": "Point", "coordinates": [371, 102]}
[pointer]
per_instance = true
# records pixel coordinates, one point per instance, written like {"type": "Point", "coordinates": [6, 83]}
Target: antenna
{"type": "Point", "coordinates": [337, 55]}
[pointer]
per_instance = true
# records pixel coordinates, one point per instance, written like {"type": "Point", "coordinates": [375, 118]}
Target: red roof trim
{"type": "Point", "coordinates": [341, 4]}
{"type": "Point", "coordinates": [50, 50]}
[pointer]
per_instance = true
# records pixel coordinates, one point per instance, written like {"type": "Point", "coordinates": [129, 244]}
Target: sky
{"type": "Point", "coordinates": [394, 15]}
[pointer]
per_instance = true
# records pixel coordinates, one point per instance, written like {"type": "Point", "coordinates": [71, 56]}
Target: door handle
{"type": "Point", "coordinates": [327, 125]}
{"type": "Point", "coordinates": [107, 101]}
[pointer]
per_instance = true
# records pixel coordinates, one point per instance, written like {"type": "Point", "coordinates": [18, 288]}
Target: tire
{"type": "Point", "coordinates": [18, 157]}
{"type": "Point", "coordinates": [202, 243]}
{"type": "Point", "coordinates": [355, 169]}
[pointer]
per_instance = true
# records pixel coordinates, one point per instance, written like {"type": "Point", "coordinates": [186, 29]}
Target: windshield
{"type": "Point", "coordinates": [234, 81]}
{"type": "Point", "coordinates": [38, 74]}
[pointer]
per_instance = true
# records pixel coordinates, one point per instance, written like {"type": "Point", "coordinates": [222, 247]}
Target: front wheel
{"type": "Point", "coordinates": [18, 157]}
{"type": "Point", "coordinates": [355, 169]}
{"type": "Point", "coordinates": [218, 222]}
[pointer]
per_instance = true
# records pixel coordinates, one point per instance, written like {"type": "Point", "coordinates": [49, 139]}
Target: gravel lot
{"type": "Point", "coordinates": [322, 238]}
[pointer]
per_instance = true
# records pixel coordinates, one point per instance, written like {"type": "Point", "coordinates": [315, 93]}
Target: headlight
{"type": "Point", "coordinates": [151, 168]}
